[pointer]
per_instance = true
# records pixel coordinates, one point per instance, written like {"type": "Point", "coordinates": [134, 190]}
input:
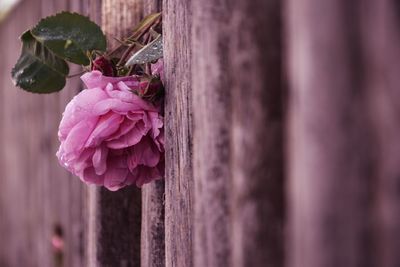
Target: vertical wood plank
{"type": "Point", "coordinates": [256, 134]}
{"type": "Point", "coordinates": [116, 227]}
{"type": "Point", "coordinates": [115, 217]}
{"type": "Point", "coordinates": [331, 145]}
{"type": "Point", "coordinates": [119, 17]}
{"type": "Point", "coordinates": [178, 133]}
{"type": "Point", "coordinates": [238, 125]}
{"type": "Point", "coordinates": [153, 198]}
{"type": "Point", "coordinates": [381, 36]}
{"type": "Point", "coordinates": [38, 195]}
{"type": "Point", "coordinates": [153, 230]}
{"type": "Point", "coordinates": [212, 106]}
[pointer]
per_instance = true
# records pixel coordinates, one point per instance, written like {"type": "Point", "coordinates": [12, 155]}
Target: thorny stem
{"type": "Point", "coordinates": [141, 33]}
{"type": "Point", "coordinates": [126, 54]}
{"type": "Point", "coordinates": [136, 36]}
{"type": "Point", "coordinates": [147, 39]}
{"type": "Point", "coordinates": [134, 39]}
{"type": "Point", "coordinates": [130, 72]}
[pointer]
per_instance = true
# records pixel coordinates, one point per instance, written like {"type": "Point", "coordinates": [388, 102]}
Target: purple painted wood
{"type": "Point", "coordinates": [153, 201]}
{"type": "Point", "coordinates": [343, 130]}
{"type": "Point", "coordinates": [381, 36]}
{"type": "Point", "coordinates": [225, 198]}
{"type": "Point", "coordinates": [37, 194]}
{"type": "Point", "coordinates": [115, 217]}
{"type": "Point", "coordinates": [178, 133]}
{"type": "Point", "coordinates": [238, 94]}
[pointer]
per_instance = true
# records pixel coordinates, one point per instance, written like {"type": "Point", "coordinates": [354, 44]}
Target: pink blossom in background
{"type": "Point", "coordinates": [57, 242]}
{"type": "Point", "coordinates": [110, 136]}
{"type": "Point", "coordinates": [158, 69]}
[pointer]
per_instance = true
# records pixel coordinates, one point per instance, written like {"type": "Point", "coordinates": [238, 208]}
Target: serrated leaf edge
{"type": "Point", "coordinates": [69, 13]}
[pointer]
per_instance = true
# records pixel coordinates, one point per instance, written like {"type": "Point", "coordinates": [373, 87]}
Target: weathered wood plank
{"type": "Point", "coordinates": [212, 107]}
{"type": "Point", "coordinates": [119, 17]}
{"type": "Point", "coordinates": [37, 194]}
{"type": "Point", "coordinates": [153, 198]}
{"type": "Point", "coordinates": [238, 125]}
{"type": "Point", "coordinates": [153, 230]}
{"type": "Point", "coordinates": [115, 217]}
{"type": "Point", "coordinates": [256, 133]}
{"type": "Point", "coordinates": [331, 145]}
{"type": "Point", "coordinates": [117, 227]}
{"type": "Point", "coordinates": [178, 133]}
{"type": "Point", "coordinates": [381, 38]}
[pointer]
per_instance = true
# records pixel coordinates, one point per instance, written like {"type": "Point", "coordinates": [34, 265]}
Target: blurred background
{"type": "Point", "coordinates": [39, 200]}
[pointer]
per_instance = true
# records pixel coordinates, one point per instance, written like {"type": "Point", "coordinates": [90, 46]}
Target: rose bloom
{"type": "Point", "coordinates": [110, 136]}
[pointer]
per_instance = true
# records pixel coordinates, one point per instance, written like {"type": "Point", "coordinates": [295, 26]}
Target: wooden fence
{"type": "Point", "coordinates": [282, 121]}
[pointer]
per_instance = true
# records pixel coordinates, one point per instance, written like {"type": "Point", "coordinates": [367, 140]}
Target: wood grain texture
{"type": "Point", "coordinates": [153, 200]}
{"type": "Point", "coordinates": [178, 133]}
{"type": "Point", "coordinates": [223, 200]}
{"type": "Point", "coordinates": [117, 227]}
{"type": "Point", "coordinates": [332, 171]}
{"type": "Point", "coordinates": [115, 217]}
{"type": "Point", "coordinates": [37, 194]}
{"type": "Point", "coordinates": [238, 125]}
{"type": "Point", "coordinates": [119, 17]}
{"type": "Point", "coordinates": [212, 107]}
{"type": "Point", "coordinates": [153, 230]}
{"type": "Point", "coordinates": [256, 134]}
{"type": "Point", "coordinates": [381, 36]}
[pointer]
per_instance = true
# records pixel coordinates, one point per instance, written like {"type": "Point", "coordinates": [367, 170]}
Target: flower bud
{"type": "Point", "coordinates": [104, 65]}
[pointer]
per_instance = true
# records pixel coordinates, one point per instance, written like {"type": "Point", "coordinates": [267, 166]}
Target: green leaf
{"type": "Point", "coordinates": [151, 52]}
{"type": "Point", "coordinates": [38, 70]}
{"type": "Point", "coordinates": [71, 36]}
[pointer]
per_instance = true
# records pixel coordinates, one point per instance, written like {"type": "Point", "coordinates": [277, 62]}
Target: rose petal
{"type": "Point", "coordinates": [80, 109]}
{"type": "Point", "coordinates": [90, 176]}
{"type": "Point", "coordinates": [159, 141]}
{"type": "Point", "coordinates": [131, 138]}
{"type": "Point", "coordinates": [115, 176]}
{"type": "Point", "coordinates": [144, 153]}
{"type": "Point", "coordinates": [114, 105]}
{"type": "Point", "coordinates": [96, 79]}
{"type": "Point", "coordinates": [122, 92]}
{"type": "Point", "coordinates": [135, 115]}
{"type": "Point", "coordinates": [146, 174]}
{"type": "Point", "coordinates": [156, 123]}
{"type": "Point", "coordinates": [107, 125]}
{"type": "Point", "coordinates": [100, 160]}
{"type": "Point", "coordinates": [73, 144]}
{"type": "Point", "coordinates": [83, 161]}
{"type": "Point", "coordinates": [124, 128]}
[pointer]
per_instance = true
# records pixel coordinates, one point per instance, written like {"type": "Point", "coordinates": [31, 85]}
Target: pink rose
{"type": "Point", "coordinates": [110, 136]}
